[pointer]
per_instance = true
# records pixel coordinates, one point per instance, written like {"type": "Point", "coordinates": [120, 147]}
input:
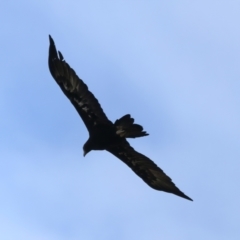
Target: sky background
{"type": "Point", "coordinates": [174, 66]}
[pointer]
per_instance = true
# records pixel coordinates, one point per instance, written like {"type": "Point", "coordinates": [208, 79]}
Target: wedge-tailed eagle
{"type": "Point", "coordinates": [103, 134]}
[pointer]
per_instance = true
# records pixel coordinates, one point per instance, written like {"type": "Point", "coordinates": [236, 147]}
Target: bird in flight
{"type": "Point", "coordinates": [104, 134]}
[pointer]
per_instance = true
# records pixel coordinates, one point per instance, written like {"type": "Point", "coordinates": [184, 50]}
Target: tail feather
{"type": "Point", "coordinates": [126, 128]}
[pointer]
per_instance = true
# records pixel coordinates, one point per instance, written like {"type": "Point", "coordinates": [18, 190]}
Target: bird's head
{"type": "Point", "coordinates": [87, 147]}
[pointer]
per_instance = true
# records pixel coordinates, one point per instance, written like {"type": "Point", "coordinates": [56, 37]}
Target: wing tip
{"type": "Point", "coordinates": [181, 194]}
{"type": "Point", "coordinates": [188, 198]}
{"type": "Point", "coordinates": [53, 54]}
{"type": "Point", "coordinates": [50, 39]}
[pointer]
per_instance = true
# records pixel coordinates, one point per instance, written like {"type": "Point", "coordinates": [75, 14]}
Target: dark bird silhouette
{"type": "Point", "coordinates": [103, 134]}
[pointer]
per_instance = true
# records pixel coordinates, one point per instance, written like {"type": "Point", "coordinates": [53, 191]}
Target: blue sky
{"type": "Point", "coordinates": [173, 66]}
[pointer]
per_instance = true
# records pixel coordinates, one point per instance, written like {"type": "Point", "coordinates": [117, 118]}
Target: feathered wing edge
{"type": "Point", "coordinates": [146, 169]}
{"type": "Point", "coordinates": [75, 89]}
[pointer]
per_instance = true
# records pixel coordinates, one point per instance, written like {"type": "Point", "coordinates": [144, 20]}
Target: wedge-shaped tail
{"type": "Point", "coordinates": [126, 128]}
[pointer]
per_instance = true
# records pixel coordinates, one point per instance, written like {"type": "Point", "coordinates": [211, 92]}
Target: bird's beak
{"type": "Point", "coordinates": [84, 153]}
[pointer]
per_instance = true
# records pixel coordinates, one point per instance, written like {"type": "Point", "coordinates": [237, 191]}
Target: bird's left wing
{"type": "Point", "coordinates": [145, 169]}
{"type": "Point", "coordinates": [75, 89]}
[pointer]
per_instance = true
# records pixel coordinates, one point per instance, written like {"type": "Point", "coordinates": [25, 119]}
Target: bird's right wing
{"type": "Point", "coordinates": [75, 89]}
{"type": "Point", "coordinates": [145, 169]}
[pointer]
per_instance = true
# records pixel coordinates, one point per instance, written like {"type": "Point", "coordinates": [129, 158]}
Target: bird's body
{"type": "Point", "coordinates": [104, 134]}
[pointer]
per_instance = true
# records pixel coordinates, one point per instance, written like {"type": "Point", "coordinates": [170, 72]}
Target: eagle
{"type": "Point", "coordinates": [103, 133]}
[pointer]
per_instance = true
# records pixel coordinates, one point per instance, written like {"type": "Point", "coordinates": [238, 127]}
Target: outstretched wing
{"type": "Point", "coordinates": [145, 169]}
{"type": "Point", "coordinates": [75, 89]}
